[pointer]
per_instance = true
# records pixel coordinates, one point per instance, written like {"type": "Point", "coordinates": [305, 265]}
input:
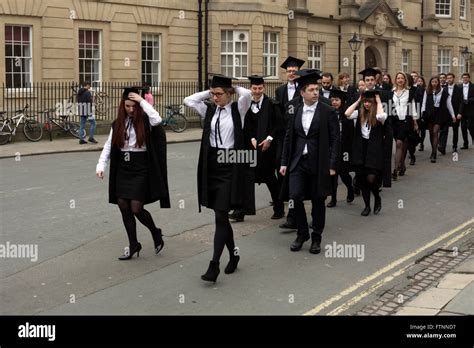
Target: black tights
{"type": "Point", "coordinates": [224, 235]}
{"type": "Point", "coordinates": [370, 185]}
{"type": "Point", "coordinates": [130, 209]}
{"type": "Point", "coordinates": [434, 137]}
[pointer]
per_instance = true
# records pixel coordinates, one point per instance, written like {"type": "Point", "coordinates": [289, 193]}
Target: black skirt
{"type": "Point", "coordinates": [132, 176]}
{"type": "Point", "coordinates": [434, 117]}
{"type": "Point", "coordinates": [219, 182]}
{"type": "Point", "coordinates": [401, 128]}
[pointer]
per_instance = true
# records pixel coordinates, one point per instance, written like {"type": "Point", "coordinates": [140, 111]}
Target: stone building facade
{"type": "Point", "coordinates": [157, 40]}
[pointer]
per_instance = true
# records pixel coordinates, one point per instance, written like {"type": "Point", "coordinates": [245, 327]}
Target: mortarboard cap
{"type": "Point", "coordinates": [370, 72]}
{"type": "Point", "coordinates": [337, 93]}
{"type": "Point", "coordinates": [256, 80]}
{"type": "Point", "coordinates": [370, 94]}
{"type": "Point", "coordinates": [135, 89]}
{"type": "Point", "coordinates": [308, 76]}
{"type": "Point", "coordinates": [219, 80]}
{"type": "Point", "coordinates": [292, 61]}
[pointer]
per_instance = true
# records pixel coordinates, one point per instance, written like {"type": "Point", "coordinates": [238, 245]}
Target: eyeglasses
{"type": "Point", "coordinates": [220, 94]}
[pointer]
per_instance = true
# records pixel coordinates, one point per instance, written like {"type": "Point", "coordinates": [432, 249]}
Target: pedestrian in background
{"type": "Point", "coordinates": [85, 102]}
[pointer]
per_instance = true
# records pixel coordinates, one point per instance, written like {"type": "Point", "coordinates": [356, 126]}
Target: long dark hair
{"type": "Point", "coordinates": [429, 88]}
{"type": "Point", "coordinates": [118, 137]}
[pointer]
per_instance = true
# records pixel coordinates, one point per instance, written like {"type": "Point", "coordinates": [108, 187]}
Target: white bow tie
{"type": "Point", "coordinates": [306, 109]}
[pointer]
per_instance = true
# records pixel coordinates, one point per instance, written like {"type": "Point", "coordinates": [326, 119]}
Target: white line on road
{"type": "Point", "coordinates": [386, 269]}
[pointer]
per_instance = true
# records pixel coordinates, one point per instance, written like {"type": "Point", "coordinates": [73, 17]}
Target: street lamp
{"type": "Point", "coordinates": [466, 54]}
{"type": "Point", "coordinates": [355, 44]}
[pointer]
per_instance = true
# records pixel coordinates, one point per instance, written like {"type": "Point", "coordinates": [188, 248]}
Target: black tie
{"type": "Point", "coordinates": [218, 127]}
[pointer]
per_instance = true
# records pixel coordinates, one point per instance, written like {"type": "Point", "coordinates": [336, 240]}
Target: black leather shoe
{"type": "Point", "coordinates": [350, 196]}
{"type": "Point", "coordinates": [82, 142]}
{"type": "Point", "coordinates": [464, 147]}
{"type": "Point", "coordinates": [212, 272]}
{"type": "Point", "coordinates": [455, 149]}
{"type": "Point", "coordinates": [433, 159]}
{"type": "Point", "coordinates": [288, 225]}
{"type": "Point", "coordinates": [232, 265]}
{"type": "Point", "coordinates": [237, 217]}
{"type": "Point", "coordinates": [442, 151]}
{"type": "Point", "coordinates": [331, 204]}
{"type": "Point", "coordinates": [315, 247]}
{"type": "Point", "coordinates": [277, 216]}
{"type": "Point", "coordinates": [413, 160]}
{"type": "Point", "coordinates": [93, 141]}
{"type": "Point", "coordinates": [366, 211]}
{"type": "Point", "coordinates": [135, 249]}
{"type": "Point", "coordinates": [298, 243]}
{"type": "Point", "coordinates": [356, 191]}
{"type": "Point", "coordinates": [377, 205]}
{"type": "Point", "coordinates": [158, 240]}
{"type": "Point", "coordinates": [421, 148]}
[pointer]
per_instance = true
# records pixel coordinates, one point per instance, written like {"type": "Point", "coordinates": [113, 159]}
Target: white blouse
{"type": "Point", "coordinates": [365, 127]}
{"type": "Point", "coordinates": [401, 105]}
{"type": "Point", "coordinates": [226, 124]}
{"type": "Point", "coordinates": [129, 146]}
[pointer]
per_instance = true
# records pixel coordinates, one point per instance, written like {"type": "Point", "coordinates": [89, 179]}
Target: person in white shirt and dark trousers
{"type": "Point", "coordinates": [454, 97]}
{"type": "Point", "coordinates": [136, 147]}
{"type": "Point", "coordinates": [222, 185]}
{"type": "Point", "coordinates": [466, 110]}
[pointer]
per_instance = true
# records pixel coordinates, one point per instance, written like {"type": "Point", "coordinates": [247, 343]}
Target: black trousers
{"type": "Point", "coordinates": [467, 123]}
{"type": "Point", "coordinates": [303, 181]}
{"type": "Point", "coordinates": [443, 135]}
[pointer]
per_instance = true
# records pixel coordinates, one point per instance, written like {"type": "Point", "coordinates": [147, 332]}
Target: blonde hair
{"type": "Point", "coordinates": [405, 85]}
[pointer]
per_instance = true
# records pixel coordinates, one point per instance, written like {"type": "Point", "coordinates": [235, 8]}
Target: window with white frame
{"type": "Point", "coordinates": [270, 54]}
{"type": "Point", "coordinates": [151, 58]}
{"type": "Point", "coordinates": [18, 56]}
{"type": "Point", "coordinates": [444, 60]}
{"type": "Point", "coordinates": [462, 9]}
{"type": "Point", "coordinates": [234, 53]}
{"type": "Point", "coordinates": [89, 55]}
{"type": "Point", "coordinates": [405, 60]}
{"type": "Point", "coordinates": [314, 56]}
{"type": "Point", "coordinates": [443, 8]}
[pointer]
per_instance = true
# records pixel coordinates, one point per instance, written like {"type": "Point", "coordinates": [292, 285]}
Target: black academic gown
{"type": "Point", "coordinates": [267, 122]}
{"type": "Point", "coordinates": [387, 140]}
{"type": "Point", "coordinates": [242, 185]}
{"type": "Point", "coordinates": [374, 158]}
{"type": "Point", "coordinates": [347, 138]}
{"type": "Point", "coordinates": [156, 159]}
{"type": "Point", "coordinates": [327, 148]}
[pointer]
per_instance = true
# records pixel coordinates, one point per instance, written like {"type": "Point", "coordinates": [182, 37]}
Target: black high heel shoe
{"type": "Point", "coordinates": [212, 272]}
{"type": "Point", "coordinates": [394, 175]}
{"type": "Point", "coordinates": [158, 240]}
{"type": "Point", "coordinates": [137, 249]}
{"type": "Point", "coordinates": [377, 205]}
{"type": "Point", "coordinates": [402, 171]}
{"type": "Point", "coordinates": [232, 265]}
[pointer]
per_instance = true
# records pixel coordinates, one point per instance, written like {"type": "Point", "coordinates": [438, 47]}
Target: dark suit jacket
{"type": "Point", "coordinates": [466, 109]}
{"type": "Point", "coordinates": [281, 95]}
{"type": "Point", "coordinates": [323, 145]}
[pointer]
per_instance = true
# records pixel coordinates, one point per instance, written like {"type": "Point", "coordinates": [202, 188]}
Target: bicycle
{"type": "Point", "coordinates": [31, 128]}
{"type": "Point", "coordinates": [175, 119]}
{"type": "Point", "coordinates": [63, 123]}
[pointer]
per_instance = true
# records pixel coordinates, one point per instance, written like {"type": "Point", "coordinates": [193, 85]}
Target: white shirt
{"type": "Point", "coordinates": [365, 127]}
{"type": "Point", "coordinates": [306, 119]}
{"type": "Point", "coordinates": [255, 106]}
{"type": "Point", "coordinates": [437, 101]}
{"type": "Point", "coordinates": [129, 146]}
{"type": "Point", "coordinates": [450, 104]}
{"type": "Point", "coordinates": [326, 93]}
{"type": "Point", "coordinates": [465, 90]}
{"type": "Point", "coordinates": [196, 101]}
{"type": "Point", "coordinates": [401, 105]}
{"type": "Point", "coordinates": [291, 88]}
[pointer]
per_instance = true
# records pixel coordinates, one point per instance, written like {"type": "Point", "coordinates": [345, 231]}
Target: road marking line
{"type": "Point", "coordinates": [386, 269]}
{"type": "Point", "coordinates": [354, 300]}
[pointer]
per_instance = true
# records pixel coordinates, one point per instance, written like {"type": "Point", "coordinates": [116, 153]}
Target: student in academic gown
{"type": "Point", "coordinates": [309, 160]}
{"type": "Point", "coordinates": [262, 122]}
{"type": "Point", "coordinates": [432, 110]}
{"type": "Point", "coordinates": [454, 92]}
{"type": "Point", "coordinates": [338, 99]}
{"type": "Point", "coordinates": [136, 147]}
{"type": "Point", "coordinates": [466, 110]}
{"type": "Point", "coordinates": [222, 185]}
{"type": "Point", "coordinates": [285, 96]}
{"type": "Point", "coordinates": [367, 149]}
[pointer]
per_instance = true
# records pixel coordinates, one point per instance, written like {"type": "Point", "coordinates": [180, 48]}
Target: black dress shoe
{"type": "Point", "coordinates": [132, 250]}
{"type": "Point", "coordinates": [356, 191]}
{"type": "Point", "coordinates": [298, 243]}
{"type": "Point", "coordinates": [442, 151]}
{"type": "Point", "coordinates": [455, 149]}
{"type": "Point", "coordinates": [315, 247]}
{"type": "Point", "coordinates": [433, 158]}
{"type": "Point", "coordinates": [277, 216]}
{"type": "Point", "coordinates": [350, 196]}
{"type": "Point", "coordinates": [212, 272]}
{"type": "Point", "coordinates": [82, 142]}
{"type": "Point", "coordinates": [237, 217]}
{"type": "Point", "coordinates": [421, 148]}
{"type": "Point", "coordinates": [412, 161]}
{"type": "Point", "coordinates": [377, 205]}
{"type": "Point", "coordinates": [366, 211]}
{"type": "Point", "coordinates": [464, 147]}
{"type": "Point", "coordinates": [331, 204]}
{"type": "Point", "coordinates": [290, 225]}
